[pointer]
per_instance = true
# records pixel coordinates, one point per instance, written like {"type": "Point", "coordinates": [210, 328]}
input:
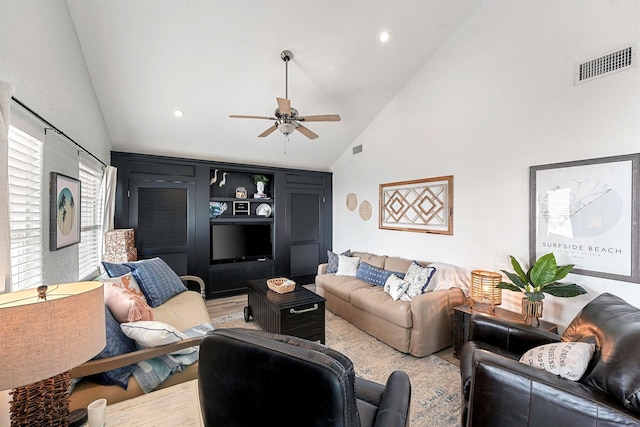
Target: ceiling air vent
{"type": "Point", "coordinates": [607, 64]}
{"type": "Point", "coordinates": [357, 149]}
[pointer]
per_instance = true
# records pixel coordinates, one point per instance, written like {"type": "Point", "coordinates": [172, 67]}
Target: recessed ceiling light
{"type": "Point", "coordinates": [178, 113]}
{"type": "Point", "coordinates": [384, 36]}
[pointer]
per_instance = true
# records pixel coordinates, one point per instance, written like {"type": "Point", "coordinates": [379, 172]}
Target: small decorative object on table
{"type": "Point", "coordinates": [281, 285]}
{"type": "Point", "coordinates": [484, 289]}
{"type": "Point", "coordinates": [542, 277]}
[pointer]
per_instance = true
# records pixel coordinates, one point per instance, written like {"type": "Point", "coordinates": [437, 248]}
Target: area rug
{"type": "Point", "coordinates": [435, 383]}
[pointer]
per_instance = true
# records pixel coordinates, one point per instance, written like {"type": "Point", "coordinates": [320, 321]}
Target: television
{"type": "Point", "coordinates": [240, 242]}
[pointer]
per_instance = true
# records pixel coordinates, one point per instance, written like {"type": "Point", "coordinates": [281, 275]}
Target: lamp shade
{"type": "Point", "coordinates": [484, 288]}
{"type": "Point", "coordinates": [42, 338]}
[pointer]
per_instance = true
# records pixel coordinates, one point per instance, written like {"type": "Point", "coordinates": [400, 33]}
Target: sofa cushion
{"type": "Point", "coordinates": [117, 343]}
{"type": "Point", "coordinates": [374, 300]}
{"type": "Point", "coordinates": [418, 278]}
{"type": "Point", "coordinates": [371, 259]}
{"type": "Point", "coordinates": [613, 326]}
{"type": "Point", "coordinates": [183, 311]}
{"type": "Point", "coordinates": [157, 280]}
{"type": "Point", "coordinates": [373, 275]}
{"type": "Point", "coordinates": [347, 266]}
{"type": "Point", "coordinates": [340, 286]}
{"type": "Point", "coordinates": [566, 359]}
{"type": "Point", "coordinates": [399, 265]}
{"type": "Point", "coordinates": [332, 263]}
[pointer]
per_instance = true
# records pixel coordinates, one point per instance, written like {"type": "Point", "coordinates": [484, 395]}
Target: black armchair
{"type": "Point", "coordinates": [499, 391]}
{"type": "Point", "coordinates": [250, 378]}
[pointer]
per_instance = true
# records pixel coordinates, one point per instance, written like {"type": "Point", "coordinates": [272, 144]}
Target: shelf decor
{"type": "Point", "coordinates": [586, 213]}
{"type": "Point", "coordinates": [64, 211]}
{"type": "Point", "coordinates": [422, 205]}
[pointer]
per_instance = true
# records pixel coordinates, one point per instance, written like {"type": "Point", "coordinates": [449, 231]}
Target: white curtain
{"type": "Point", "coordinates": [6, 90]}
{"type": "Point", "coordinates": [109, 190]}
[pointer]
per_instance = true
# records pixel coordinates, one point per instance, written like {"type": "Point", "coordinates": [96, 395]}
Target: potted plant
{"type": "Point", "coordinates": [260, 180]}
{"type": "Point", "coordinates": [542, 277]}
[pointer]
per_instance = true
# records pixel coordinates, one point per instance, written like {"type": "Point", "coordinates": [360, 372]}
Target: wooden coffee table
{"type": "Point", "coordinates": [299, 313]}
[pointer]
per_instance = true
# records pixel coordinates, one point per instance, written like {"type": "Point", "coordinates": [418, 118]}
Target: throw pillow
{"type": "Point", "coordinates": [333, 260]}
{"type": "Point", "coordinates": [153, 334]}
{"type": "Point", "coordinates": [126, 281]}
{"type": "Point", "coordinates": [567, 359]}
{"type": "Point", "coordinates": [114, 269]}
{"type": "Point", "coordinates": [347, 266]}
{"type": "Point", "coordinates": [395, 287]}
{"type": "Point", "coordinates": [124, 305]}
{"type": "Point", "coordinates": [117, 343]}
{"type": "Point", "coordinates": [418, 278]}
{"type": "Point", "coordinates": [373, 275]}
{"type": "Point", "coordinates": [157, 280]}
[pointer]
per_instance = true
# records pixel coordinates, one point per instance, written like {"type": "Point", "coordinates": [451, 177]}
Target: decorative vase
{"type": "Point", "coordinates": [260, 187]}
{"type": "Point", "coordinates": [531, 310]}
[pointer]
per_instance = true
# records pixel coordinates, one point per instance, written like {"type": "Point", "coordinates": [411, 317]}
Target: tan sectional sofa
{"type": "Point", "coordinates": [419, 327]}
{"type": "Point", "coordinates": [183, 311]}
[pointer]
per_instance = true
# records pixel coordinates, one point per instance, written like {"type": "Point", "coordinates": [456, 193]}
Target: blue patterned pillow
{"type": "Point", "coordinates": [115, 270]}
{"type": "Point", "coordinates": [117, 343]}
{"type": "Point", "coordinates": [418, 278]}
{"type": "Point", "coordinates": [333, 260]}
{"type": "Point", "coordinates": [157, 280]}
{"type": "Point", "coordinates": [371, 274]}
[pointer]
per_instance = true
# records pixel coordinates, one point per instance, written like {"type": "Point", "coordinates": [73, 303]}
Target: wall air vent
{"type": "Point", "coordinates": [357, 149]}
{"type": "Point", "coordinates": [607, 64]}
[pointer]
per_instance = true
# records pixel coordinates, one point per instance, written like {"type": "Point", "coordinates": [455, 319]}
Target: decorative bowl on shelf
{"type": "Point", "coordinates": [263, 209]}
{"type": "Point", "coordinates": [281, 285]}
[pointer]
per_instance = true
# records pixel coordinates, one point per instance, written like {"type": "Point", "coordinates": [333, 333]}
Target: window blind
{"type": "Point", "coordinates": [91, 205]}
{"type": "Point", "coordinates": [25, 209]}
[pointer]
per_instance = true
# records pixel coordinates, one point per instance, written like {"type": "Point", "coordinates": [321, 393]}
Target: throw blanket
{"type": "Point", "coordinates": [151, 373]}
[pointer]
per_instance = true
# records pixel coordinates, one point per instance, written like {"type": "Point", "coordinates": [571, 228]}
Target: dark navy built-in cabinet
{"type": "Point", "coordinates": [207, 218]}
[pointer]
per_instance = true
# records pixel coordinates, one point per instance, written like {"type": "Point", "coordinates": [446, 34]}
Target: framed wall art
{"type": "Point", "coordinates": [421, 205]}
{"type": "Point", "coordinates": [64, 211]}
{"type": "Point", "coordinates": [586, 212]}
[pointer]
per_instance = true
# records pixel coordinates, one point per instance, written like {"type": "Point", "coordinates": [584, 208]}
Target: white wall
{"type": "Point", "coordinates": [497, 98]}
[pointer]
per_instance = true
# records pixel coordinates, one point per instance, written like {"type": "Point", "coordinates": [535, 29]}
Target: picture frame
{"type": "Point", "coordinates": [421, 205]}
{"type": "Point", "coordinates": [64, 211]}
{"type": "Point", "coordinates": [587, 213]}
{"type": "Point", "coordinates": [241, 208]}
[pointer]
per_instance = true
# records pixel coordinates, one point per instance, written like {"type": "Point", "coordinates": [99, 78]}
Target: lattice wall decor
{"type": "Point", "coordinates": [421, 205]}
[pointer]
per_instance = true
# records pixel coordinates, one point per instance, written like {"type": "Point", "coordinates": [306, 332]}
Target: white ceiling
{"type": "Point", "coordinates": [212, 58]}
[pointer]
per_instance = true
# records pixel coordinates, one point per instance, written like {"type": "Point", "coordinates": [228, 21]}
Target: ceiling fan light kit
{"type": "Point", "coordinates": [286, 118]}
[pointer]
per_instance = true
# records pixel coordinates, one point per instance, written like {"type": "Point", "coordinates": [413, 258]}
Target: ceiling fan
{"type": "Point", "coordinates": [286, 118]}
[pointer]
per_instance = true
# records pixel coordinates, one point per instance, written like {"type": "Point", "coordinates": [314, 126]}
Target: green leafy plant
{"type": "Point", "coordinates": [541, 278]}
{"type": "Point", "coordinates": [260, 178]}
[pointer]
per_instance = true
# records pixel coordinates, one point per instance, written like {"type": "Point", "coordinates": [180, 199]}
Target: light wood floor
{"type": "Point", "coordinates": [235, 304]}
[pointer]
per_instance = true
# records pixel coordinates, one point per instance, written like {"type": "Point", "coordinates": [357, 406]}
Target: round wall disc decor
{"type": "Point", "coordinates": [352, 201]}
{"type": "Point", "coordinates": [365, 210]}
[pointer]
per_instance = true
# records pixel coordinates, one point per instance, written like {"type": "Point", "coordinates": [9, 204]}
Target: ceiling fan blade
{"type": "Point", "coordinates": [268, 131]}
{"type": "Point", "coordinates": [306, 132]}
{"type": "Point", "coordinates": [284, 105]}
{"type": "Point", "coordinates": [236, 116]}
{"type": "Point", "coordinates": [320, 118]}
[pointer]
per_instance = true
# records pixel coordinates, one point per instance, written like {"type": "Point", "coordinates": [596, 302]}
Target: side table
{"type": "Point", "coordinates": [462, 315]}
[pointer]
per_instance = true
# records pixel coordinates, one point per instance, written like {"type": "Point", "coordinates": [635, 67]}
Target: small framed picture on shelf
{"type": "Point", "coordinates": [241, 208]}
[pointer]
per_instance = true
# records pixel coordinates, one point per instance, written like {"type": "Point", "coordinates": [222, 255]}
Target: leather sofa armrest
{"type": "Point", "coordinates": [322, 268]}
{"type": "Point", "coordinates": [102, 365]}
{"type": "Point", "coordinates": [198, 280]}
{"type": "Point", "coordinates": [510, 336]}
{"type": "Point", "coordinates": [395, 402]}
{"type": "Point", "coordinates": [507, 393]}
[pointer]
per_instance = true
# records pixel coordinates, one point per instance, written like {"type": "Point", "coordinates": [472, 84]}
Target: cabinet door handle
{"type": "Point", "coordinates": [294, 311]}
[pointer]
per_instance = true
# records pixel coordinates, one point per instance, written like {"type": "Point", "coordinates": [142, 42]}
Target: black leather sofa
{"type": "Point", "coordinates": [499, 391]}
{"type": "Point", "coordinates": [255, 378]}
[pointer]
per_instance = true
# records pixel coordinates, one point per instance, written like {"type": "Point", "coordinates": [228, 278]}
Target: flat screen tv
{"type": "Point", "coordinates": [240, 242]}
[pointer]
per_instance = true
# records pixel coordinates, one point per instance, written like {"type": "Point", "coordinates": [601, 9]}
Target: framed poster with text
{"type": "Point", "coordinates": [586, 212]}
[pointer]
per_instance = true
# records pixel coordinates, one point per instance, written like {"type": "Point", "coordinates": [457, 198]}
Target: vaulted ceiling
{"type": "Point", "coordinates": [213, 58]}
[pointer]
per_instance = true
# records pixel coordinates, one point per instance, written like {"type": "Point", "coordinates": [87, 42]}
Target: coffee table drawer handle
{"type": "Point", "coordinates": [294, 311]}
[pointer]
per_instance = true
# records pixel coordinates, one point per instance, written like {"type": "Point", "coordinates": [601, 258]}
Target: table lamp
{"type": "Point", "coordinates": [45, 332]}
{"type": "Point", "coordinates": [484, 288]}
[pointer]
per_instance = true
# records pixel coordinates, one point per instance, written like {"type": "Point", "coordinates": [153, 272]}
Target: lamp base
{"type": "Point", "coordinates": [45, 403]}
